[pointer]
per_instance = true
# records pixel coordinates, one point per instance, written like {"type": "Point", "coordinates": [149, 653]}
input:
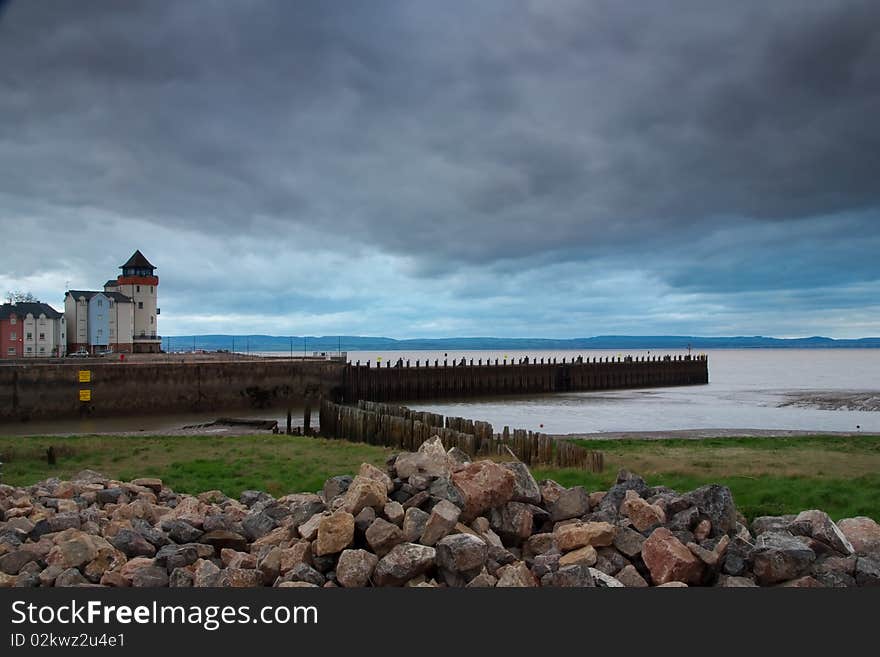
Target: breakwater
{"type": "Point", "coordinates": [404, 380]}
{"type": "Point", "coordinates": [403, 428]}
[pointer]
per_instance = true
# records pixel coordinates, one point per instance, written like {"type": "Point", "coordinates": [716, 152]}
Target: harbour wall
{"type": "Point", "coordinates": [101, 388]}
{"type": "Point", "coordinates": [56, 390]}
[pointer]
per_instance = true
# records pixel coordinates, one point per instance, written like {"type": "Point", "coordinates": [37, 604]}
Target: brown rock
{"type": "Point", "coordinates": [372, 472]}
{"type": "Point", "coordinates": [414, 522]}
{"type": "Point", "coordinates": [579, 534]}
{"type": "Point", "coordinates": [703, 529]}
{"type": "Point", "coordinates": [221, 538]}
{"type": "Point", "coordinates": [669, 560]}
{"type": "Point", "coordinates": [585, 556]}
{"type": "Point", "coordinates": [309, 529]}
{"type": "Point", "coordinates": [298, 553]}
{"type": "Point", "coordinates": [364, 492]}
{"type": "Point", "coordinates": [515, 575]}
{"type": "Point", "coordinates": [205, 573]}
{"type": "Point", "coordinates": [483, 485]}
{"type": "Point", "coordinates": [335, 533]}
{"type": "Point", "coordinates": [394, 512]}
{"type": "Point", "coordinates": [805, 582]}
{"type": "Point", "coordinates": [73, 552]}
{"type": "Point", "coordinates": [863, 534]}
{"type": "Point", "coordinates": [382, 535]}
{"type": "Point", "coordinates": [152, 483]}
{"type": "Point", "coordinates": [631, 578]}
{"type": "Point", "coordinates": [441, 521]}
{"type": "Point", "coordinates": [643, 515]}
{"type": "Point", "coordinates": [550, 491]}
{"type": "Point", "coordinates": [355, 568]}
{"type": "Point", "coordinates": [731, 582]}
{"type": "Point", "coordinates": [239, 578]}
{"type": "Point", "coordinates": [673, 585]}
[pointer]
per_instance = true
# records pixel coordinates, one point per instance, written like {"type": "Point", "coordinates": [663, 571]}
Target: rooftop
{"type": "Point", "coordinates": [23, 308]}
{"type": "Point", "coordinates": [137, 260]}
{"type": "Point", "coordinates": [88, 294]}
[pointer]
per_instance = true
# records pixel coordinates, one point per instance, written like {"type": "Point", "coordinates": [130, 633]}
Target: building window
{"type": "Point", "coordinates": [151, 289]}
{"type": "Point", "coordinates": [152, 319]}
{"type": "Point", "coordinates": [13, 335]}
{"type": "Point", "coordinates": [42, 350]}
{"type": "Point", "coordinates": [42, 336]}
{"type": "Point", "coordinates": [30, 350]}
{"type": "Point", "coordinates": [111, 333]}
{"type": "Point", "coordinates": [110, 303]}
{"type": "Point", "coordinates": [100, 318]}
{"type": "Point", "coordinates": [138, 288]}
{"type": "Point", "coordinates": [140, 305]}
{"type": "Point", "coordinates": [30, 336]}
{"type": "Point", "coordinates": [100, 332]}
{"type": "Point", "coordinates": [12, 320]}
{"type": "Point", "coordinates": [100, 303]}
{"type": "Point", "coordinates": [10, 351]}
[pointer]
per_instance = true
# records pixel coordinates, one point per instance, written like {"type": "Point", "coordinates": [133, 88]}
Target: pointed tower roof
{"type": "Point", "coordinates": [137, 260]}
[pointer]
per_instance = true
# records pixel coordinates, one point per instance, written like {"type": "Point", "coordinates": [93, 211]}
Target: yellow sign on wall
{"type": "Point", "coordinates": [85, 395]}
{"type": "Point", "coordinates": [85, 376]}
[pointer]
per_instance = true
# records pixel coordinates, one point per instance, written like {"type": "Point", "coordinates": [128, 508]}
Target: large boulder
{"type": "Point", "coordinates": [642, 514]}
{"type": "Point", "coordinates": [863, 534]}
{"type": "Point", "coordinates": [780, 556]}
{"type": "Point", "coordinates": [483, 485]}
{"type": "Point", "coordinates": [822, 528]}
{"type": "Point", "coordinates": [669, 560]}
{"type": "Point", "coordinates": [381, 536]}
{"type": "Point", "coordinates": [441, 521]}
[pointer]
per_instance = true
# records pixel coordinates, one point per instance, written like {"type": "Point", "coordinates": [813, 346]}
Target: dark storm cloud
{"type": "Point", "coordinates": [696, 143]}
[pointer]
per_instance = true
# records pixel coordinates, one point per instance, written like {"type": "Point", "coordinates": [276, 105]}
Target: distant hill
{"type": "Point", "coordinates": [329, 343]}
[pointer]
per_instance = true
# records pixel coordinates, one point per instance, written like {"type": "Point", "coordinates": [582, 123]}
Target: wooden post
{"type": "Point", "coordinates": [50, 455]}
{"type": "Point", "coordinates": [288, 422]}
{"type": "Point", "coordinates": [307, 419]}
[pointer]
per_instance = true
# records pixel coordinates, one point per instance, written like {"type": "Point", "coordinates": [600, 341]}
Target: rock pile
{"type": "Point", "coordinates": [431, 519]}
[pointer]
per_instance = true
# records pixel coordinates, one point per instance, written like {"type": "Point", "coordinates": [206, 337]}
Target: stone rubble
{"type": "Point", "coordinates": [432, 519]}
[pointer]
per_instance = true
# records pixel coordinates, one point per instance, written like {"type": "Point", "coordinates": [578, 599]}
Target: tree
{"type": "Point", "coordinates": [17, 296]}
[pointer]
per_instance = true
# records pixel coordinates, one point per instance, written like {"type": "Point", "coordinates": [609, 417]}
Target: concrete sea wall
{"type": "Point", "coordinates": [115, 388]}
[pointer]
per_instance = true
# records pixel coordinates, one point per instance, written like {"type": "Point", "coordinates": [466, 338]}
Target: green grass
{"type": "Point", "coordinates": [192, 464]}
{"type": "Point", "coordinates": [768, 476]}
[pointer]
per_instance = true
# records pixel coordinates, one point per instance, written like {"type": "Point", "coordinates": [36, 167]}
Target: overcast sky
{"type": "Point", "coordinates": [410, 168]}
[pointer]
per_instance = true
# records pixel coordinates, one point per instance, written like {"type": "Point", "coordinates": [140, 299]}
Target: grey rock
{"type": "Point", "coordinates": [414, 522]}
{"type": "Point", "coordinates": [302, 572]}
{"type": "Point", "coordinates": [614, 496]}
{"type": "Point", "coordinates": [513, 522]}
{"type": "Point", "coordinates": [180, 578]}
{"type": "Point", "coordinates": [545, 563]}
{"type": "Point", "coordinates": [403, 563]}
{"type": "Point", "coordinates": [628, 541]}
{"type": "Point", "coordinates": [716, 503]}
{"type": "Point", "coordinates": [334, 487]}
{"type": "Point", "coordinates": [572, 503]}
{"type": "Point", "coordinates": [442, 488]}
{"type": "Point", "coordinates": [108, 495]}
{"type": "Point", "coordinates": [70, 577]}
{"type": "Point", "coordinates": [13, 562]}
{"type": "Point", "coordinates": [175, 556]}
{"type": "Point", "coordinates": [823, 529]}
{"type": "Point", "coordinates": [684, 520]}
{"type": "Point", "coordinates": [525, 488]}
{"type": "Point", "coordinates": [132, 544]}
{"type": "Point", "coordinates": [257, 525]}
{"type": "Point", "coordinates": [461, 553]}
{"type": "Point", "coordinates": [867, 571]}
{"type": "Point", "coordinates": [364, 519]}
{"type": "Point", "coordinates": [149, 577]}
{"type": "Point", "coordinates": [778, 557]}
{"type": "Point", "coordinates": [570, 576]}
{"type": "Point", "coordinates": [251, 497]}
{"type": "Point", "coordinates": [181, 531]}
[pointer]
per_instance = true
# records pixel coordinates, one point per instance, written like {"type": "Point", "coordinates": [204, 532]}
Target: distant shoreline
{"type": "Point", "coordinates": [705, 434]}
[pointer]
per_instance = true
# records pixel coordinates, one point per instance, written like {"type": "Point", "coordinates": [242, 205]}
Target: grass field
{"type": "Point", "coordinates": [768, 476]}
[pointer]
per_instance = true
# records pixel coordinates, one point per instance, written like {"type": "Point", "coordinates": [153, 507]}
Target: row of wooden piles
{"type": "Point", "coordinates": [403, 428]}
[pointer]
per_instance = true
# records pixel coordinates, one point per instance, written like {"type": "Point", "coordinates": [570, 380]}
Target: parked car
{"type": "Point", "coordinates": [106, 352]}
{"type": "Point", "coordinates": [79, 353]}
